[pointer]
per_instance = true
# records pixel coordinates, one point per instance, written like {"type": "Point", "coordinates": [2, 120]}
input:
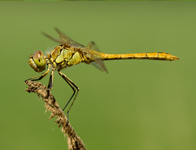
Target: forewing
{"type": "Point", "coordinates": [50, 37]}
{"type": "Point", "coordinates": [66, 40]}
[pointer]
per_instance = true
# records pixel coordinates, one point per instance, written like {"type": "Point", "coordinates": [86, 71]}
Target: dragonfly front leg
{"type": "Point", "coordinates": [75, 89]}
{"type": "Point", "coordinates": [39, 77]}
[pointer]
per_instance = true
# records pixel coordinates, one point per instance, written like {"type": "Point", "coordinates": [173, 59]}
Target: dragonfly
{"type": "Point", "coordinates": [69, 53]}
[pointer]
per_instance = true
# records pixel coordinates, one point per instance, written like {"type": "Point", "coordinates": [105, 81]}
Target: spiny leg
{"type": "Point", "coordinates": [50, 84]}
{"type": "Point", "coordinates": [39, 77]}
{"type": "Point", "coordinates": [75, 89]}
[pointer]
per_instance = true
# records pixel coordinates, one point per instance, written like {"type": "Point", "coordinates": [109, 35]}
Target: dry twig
{"type": "Point", "coordinates": [74, 141]}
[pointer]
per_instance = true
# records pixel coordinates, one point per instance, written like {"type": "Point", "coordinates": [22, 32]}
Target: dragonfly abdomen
{"type": "Point", "coordinates": [153, 56]}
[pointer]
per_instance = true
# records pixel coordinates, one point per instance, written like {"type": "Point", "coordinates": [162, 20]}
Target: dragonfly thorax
{"type": "Point", "coordinates": [37, 61]}
{"type": "Point", "coordinates": [62, 57]}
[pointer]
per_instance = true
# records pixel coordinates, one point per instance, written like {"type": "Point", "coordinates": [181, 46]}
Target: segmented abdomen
{"type": "Point", "coordinates": [153, 56]}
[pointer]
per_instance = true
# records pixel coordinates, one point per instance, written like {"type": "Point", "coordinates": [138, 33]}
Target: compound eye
{"type": "Point", "coordinates": [39, 58]}
{"type": "Point", "coordinates": [37, 61]}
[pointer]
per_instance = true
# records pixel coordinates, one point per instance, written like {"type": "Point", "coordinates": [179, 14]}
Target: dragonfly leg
{"type": "Point", "coordinates": [75, 89]}
{"type": "Point", "coordinates": [50, 84]}
{"type": "Point", "coordinates": [39, 77]}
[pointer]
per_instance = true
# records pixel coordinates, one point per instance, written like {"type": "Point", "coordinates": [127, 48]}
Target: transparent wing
{"type": "Point", "coordinates": [95, 56]}
{"type": "Point", "coordinates": [66, 40]}
{"type": "Point", "coordinates": [50, 37]}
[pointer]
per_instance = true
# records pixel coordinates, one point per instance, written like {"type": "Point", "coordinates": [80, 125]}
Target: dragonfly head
{"type": "Point", "coordinates": [37, 61]}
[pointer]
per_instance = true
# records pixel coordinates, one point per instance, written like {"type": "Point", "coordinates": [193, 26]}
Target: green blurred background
{"type": "Point", "coordinates": [139, 105]}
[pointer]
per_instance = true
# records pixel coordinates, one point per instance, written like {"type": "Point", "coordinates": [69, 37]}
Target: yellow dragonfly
{"type": "Point", "coordinates": [70, 53]}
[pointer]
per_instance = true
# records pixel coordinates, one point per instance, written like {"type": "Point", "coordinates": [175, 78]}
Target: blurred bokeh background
{"type": "Point", "coordinates": [139, 105]}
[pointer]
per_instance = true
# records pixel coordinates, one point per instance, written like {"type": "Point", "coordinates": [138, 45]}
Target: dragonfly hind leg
{"type": "Point", "coordinates": [75, 89]}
